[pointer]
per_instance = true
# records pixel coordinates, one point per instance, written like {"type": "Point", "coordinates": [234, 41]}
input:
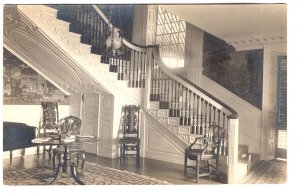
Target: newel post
{"type": "Point", "coordinates": [148, 73]}
{"type": "Point", "coordinates": [233, 141]}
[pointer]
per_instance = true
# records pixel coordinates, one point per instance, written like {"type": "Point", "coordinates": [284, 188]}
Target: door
{"type": "Point", "coordinates": [281, 113]}
{"type": "Point", "coordinates": [90, 119]}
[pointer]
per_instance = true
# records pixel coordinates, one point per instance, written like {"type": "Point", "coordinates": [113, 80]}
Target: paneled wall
{"type": "Point", "coordinates": [159, 142]}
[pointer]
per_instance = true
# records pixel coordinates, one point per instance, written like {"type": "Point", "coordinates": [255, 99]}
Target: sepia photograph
{"type": "Point", "coordinates": [151, 93]}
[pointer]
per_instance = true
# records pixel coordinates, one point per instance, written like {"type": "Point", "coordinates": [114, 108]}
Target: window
{"type": "Point", "coordinates": [170, 36]}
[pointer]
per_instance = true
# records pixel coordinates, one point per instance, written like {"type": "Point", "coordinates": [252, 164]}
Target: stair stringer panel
{"type": "Point", "coordinates": [160, 143]}
{"type": "Point", "coordinates": [57, 31]}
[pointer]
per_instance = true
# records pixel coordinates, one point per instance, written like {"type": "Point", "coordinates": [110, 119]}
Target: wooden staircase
{"type": "Point", "coordinates": [184, 108]}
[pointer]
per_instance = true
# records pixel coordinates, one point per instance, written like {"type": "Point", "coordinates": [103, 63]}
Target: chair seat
{"type": "Point", "coordinates": [129, 140]}
{"type": "Point", "coordinates": [211, 143]}
{"type": "Point", "coordinates": [193, 154]}
{"type": "Point", "coordinates": [54, 135]}
{"type": "Point", "coordinates": [61, 149]}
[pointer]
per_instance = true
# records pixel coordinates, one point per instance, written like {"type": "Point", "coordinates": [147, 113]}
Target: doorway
{"type": "Point", "coordinates": [90, 118]}
{"type": "Point", "coordinates": [281, 113]}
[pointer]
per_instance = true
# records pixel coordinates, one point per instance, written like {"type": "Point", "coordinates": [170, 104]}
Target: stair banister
{"type": "Point", "coordinates": [188, 89]}
{"type": "Point", "coordinates": [191, 86]}
{"type": "Point", "coordinates": [208, 100]}
{"type": "Point", "coordinates": [125, 42]}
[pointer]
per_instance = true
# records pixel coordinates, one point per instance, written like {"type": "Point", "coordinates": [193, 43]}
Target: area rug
{"type": "Point", "coordinates": [268, 172]}
{"type": "Point", "coordinates": [93, 175]}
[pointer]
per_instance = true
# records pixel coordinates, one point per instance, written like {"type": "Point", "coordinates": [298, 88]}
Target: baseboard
{"type": "Point", "coordinates": [167, 157]}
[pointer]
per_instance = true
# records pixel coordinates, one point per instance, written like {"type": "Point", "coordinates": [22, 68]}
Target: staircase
{"type": "Point", "coordinates": [171, 101]}
{"type": "Point", "coordinates": [137, 73]}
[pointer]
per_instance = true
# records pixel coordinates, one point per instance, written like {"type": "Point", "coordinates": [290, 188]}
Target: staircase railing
{"type": "Point", "coordinates": [193, 106]}
{"type": "Point", "coordinates": [89, 21]}
{"type": "Point", "coordinates": [142, 66]}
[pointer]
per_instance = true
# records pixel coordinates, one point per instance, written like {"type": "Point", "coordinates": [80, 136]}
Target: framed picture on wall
{"type": "Point", "coordinates": [23, 85]}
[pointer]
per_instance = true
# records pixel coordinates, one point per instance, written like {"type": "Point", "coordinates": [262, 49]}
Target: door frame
{"type": "Point", "coordinates": [277, 150]}
{"type": "Point", "coordinates": [269, 99]}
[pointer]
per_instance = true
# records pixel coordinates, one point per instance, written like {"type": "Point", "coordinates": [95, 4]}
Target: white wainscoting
{"type": "Point", "coordinates": [30, 115]}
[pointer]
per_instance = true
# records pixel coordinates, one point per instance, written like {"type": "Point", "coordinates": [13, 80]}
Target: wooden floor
{"type": "Point", "coordinates": [172, 173]}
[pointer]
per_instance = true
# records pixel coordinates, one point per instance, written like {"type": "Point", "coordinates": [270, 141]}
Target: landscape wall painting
{"type": "Point", "coordinates": [24, 86]}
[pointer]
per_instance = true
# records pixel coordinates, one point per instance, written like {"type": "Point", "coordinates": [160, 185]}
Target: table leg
{"type": "Point", "coordinates": [63, 168]}
{"type": "Point", "coordinates": [66, 158]}
{"type": "Point", "coordinates": [57, 174]}
{"type": "Point", "coordinates": [74, 174]}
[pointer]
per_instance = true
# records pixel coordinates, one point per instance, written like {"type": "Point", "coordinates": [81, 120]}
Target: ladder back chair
{"type": "Point", "coordinates": [130, 141]}
{"type": "Point", "coordinates": [48, 122]}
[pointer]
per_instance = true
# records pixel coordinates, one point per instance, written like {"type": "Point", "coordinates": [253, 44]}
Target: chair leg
{"type": "Point", "coordinates": [208, 166]}
{"type": "Point", "coordinates": [197, 169]}
{"type": "Point", "coordinates": [59, 159]}
{"type": "Point", "coordinates": [50, 151]}
{"type": "Point", "coordinates": [120, 153]}
{"type": "Point", "coordinates": [10, 156]}
{"type": "Point", "coordinates": [53, 161]}
{"type": "Point", "coordinates": [44, 150]}
{"type": "Point", "coordinates": [124, 154]}
{"type": "Point", "coordinates": [23, 152]}
{"type": "Point", "coordinates": [77, 159]}
{"type": "Point", "coordinates": [83, 160]}
{"type": "Point", "coordinates": [37, 150]}
{"type": "Point", "coordinates": [138, 155]}
{"type": "Point", "coordinates": [217, 168]}
{"type": "Point", "coordinates": [185, 165]}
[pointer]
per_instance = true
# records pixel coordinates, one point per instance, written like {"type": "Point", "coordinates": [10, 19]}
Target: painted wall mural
{"type": "Point", "coordinates": [23, 85]}
{"type": "Point", "coordinates": [241, 72]}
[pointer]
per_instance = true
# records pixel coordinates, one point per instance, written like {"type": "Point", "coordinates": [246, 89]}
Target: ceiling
{"type": "Point", "coordinates": [240, 25]}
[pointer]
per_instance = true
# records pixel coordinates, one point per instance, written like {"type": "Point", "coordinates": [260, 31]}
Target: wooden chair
{"type": "Point", "coordinates": [48, 123]}
{"type": "Point", "coordinates": [131, 137]}
{"type": "Point", "coordinates": [69, 127]}
{"type": "Point", "coordinates": [207, 149]}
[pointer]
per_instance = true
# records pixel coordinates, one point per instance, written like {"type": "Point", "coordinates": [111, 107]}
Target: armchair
{"type": "Point", "coordinates": [205, 148]}
{"type": "Point", "coordinates": [68, 128]}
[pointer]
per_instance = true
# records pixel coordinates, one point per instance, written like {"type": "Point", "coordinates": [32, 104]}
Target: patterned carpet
{"type": "Point", "coordinates": [268, 172]}
{"type": "Point", "coordinates": [93, 175]}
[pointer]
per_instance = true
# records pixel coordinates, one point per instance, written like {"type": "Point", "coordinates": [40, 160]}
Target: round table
{"type": "Point", "coordinates": [66, 143]}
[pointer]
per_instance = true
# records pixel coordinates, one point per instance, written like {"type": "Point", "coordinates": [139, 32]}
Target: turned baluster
{"type": "Point", "coordinates": [194, 115]}
{"type": "Point", "coordinates": [201, 117]}
{"type": "Point", "coordinates": [181, 119]}
{"type": "Point", "coordinates": [189, 109]}
{"type": "Point", "coordinates": [198, 107]}
{"type": "Point", "coordinates": [205, 119]}
{"type": "Point", "coordinates": [171, 109]}
{"type": "Point", "coordinates": [177, 109]}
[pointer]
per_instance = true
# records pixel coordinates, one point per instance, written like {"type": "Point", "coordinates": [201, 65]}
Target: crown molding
{"type": "Point", "coordinates": [256, 41]}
